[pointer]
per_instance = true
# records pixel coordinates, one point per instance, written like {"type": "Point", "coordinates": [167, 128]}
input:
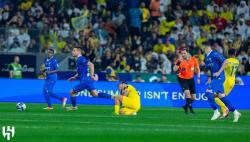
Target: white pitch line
{"type": "Point", "coordinates": [97, 116]}
{"type": "Point", "coordinates": [188, 127]}
{"type": "Point", "coordinates": [134, 130]}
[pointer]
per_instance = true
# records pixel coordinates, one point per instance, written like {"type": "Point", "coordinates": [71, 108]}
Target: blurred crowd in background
{"type": "Point", "coordinates": [127, 35]}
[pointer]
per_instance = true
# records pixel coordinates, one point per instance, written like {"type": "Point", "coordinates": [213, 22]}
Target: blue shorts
{"type": "Point", "coordinates": [49, 85]}
{"type": "Point", "coordinates": [84, 84]}
{"type": "Point", "coordinates": [216, 85]}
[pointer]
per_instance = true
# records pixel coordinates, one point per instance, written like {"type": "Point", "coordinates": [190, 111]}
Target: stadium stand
{"type": "Point", "coordinates": [127, 35]}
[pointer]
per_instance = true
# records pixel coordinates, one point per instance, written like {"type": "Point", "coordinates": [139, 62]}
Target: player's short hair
{"type": "Point", "coordinates": [231, 52]}
{"type": "Point", "coordinates": [78, 47]}
{"type": "Point", "coordinates": [206, 43]}
{"type": "Point", "coordinates": [184, 49]}
{"type": "Point", "coordinates": [51, 50]}
{"type": "Point", "coordinates": [122, 82]}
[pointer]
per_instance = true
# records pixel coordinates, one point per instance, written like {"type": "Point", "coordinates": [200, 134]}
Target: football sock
{"type": "Point", "coordinates": [117, 109]}
{"type": "Point", "coordinates": [210, 97]}
{"type": "Point", "coordinates": [191, 101]}
{"type": "Point", "coordinates": [228, 104]}
{"type": "Point", "coordinates": [47, 99]}
{"type": "Point", "coordinates": [53, 95]}
{"type": "Point", "coordinates": [188, 102]}
{"type": "Point", "coordinates": [104, 95]}
{"type": "Point", "coordinates": [221, 104]}
{"type": "Point", "coordinates": [73, 101]}
{"type": "Point", "coordinates": [190, 105]}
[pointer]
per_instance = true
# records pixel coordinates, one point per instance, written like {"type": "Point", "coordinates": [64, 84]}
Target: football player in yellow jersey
{"type": "Point", "coordinates": [230, 71]}
{"type": "Point", "coordinates": [128, 102]}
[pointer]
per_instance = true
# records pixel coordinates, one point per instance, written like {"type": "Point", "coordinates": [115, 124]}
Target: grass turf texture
{"type": "Point", "coordinates": [98, 124]}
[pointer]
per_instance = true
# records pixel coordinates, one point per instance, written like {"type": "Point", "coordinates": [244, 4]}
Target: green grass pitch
{"type": "Point", "coordinates": [98, 124]}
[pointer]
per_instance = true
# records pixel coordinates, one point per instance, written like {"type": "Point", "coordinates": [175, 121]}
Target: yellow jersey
{"type": "Point", "coordinates": [227, 15]}
{"type": "Point", "coordinates": [158, 47]}
{"type": "Point", "coordinates": [168, 48]}
{"type": "Point", "coordinates": [145, 14]}
{"type": "Point", "coordinates": [231, 68]}
{"type": "Point", "coordinates": [132, 93]}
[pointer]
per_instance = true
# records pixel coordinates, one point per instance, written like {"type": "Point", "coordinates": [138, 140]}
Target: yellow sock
{"type": "Point", "coordinates": [117, 109]}
{"type": "Point", "coordinates": [221, 104]}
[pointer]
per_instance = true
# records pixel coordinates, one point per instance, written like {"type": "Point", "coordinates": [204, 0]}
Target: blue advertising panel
{"type": "Point", "coordinates": [152, 94]}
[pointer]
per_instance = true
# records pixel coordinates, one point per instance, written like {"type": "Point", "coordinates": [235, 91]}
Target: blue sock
{"type": "Point", "coordinates": [56, 96]}
{"type": "Point", "coordinates": [73, 101]}
{"type": "Point", "coordinates": [47, 99]}
{"type": "Point", "coordinates": [210, 97]}
{"type": "Point", "coordinates": [104, 95]}
{"type": "Point", "coordinates": [228, 104]}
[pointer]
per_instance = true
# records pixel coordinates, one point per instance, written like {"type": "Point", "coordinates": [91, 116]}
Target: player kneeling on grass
{"type": "Point", "coordinates": [86, 79]}
{"type": "Point", "coordinates": [128, 102]}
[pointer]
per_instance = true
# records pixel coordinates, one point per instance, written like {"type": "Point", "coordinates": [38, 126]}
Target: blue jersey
{"type": "Point", "coordinates": [51, 65]}
{"type": "Point", "coordinates": [214, 62]}
{"type": "Point", "coordinates": [85, 81]}
{"type": "Point", "coordinates": [135, 17]}
{"type": "Point", "coordinates": [82, 68]}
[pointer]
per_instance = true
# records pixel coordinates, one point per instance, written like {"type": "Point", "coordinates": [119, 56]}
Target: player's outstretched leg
{"type": "Point", "coordinates": [104, 95]}
{"type": "Point", "coordinates": [223, 107]}
{"type": "Point", "coordinates": [95, 93]}
{"type": "Point", "coordinates": [227, 102]}
{"type": "Point", "coordinates": [63, 99]}
{"type": "Point", "coordinates": [212, 103]}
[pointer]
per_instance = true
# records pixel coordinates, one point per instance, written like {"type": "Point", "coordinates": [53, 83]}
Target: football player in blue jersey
{"type": "Point", "coordinates": [50, 71]}
{"type": "Point", "coordinates": [215, 63]}
{"type": "Point", "coordinates": [86, 78]}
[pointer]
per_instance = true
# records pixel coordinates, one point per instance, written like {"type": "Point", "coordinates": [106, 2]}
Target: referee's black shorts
{"type": "Point", "coordinates": [187, 84]}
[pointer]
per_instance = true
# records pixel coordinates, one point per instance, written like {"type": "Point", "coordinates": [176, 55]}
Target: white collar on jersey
{"type": "Point", "coordinates": [209, 53]}
{"type": "Point", "coordinates": [49, 58]}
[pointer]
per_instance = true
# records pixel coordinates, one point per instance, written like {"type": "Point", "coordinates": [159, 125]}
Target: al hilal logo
{"type": "Point", "coordinates": [8, 132]}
